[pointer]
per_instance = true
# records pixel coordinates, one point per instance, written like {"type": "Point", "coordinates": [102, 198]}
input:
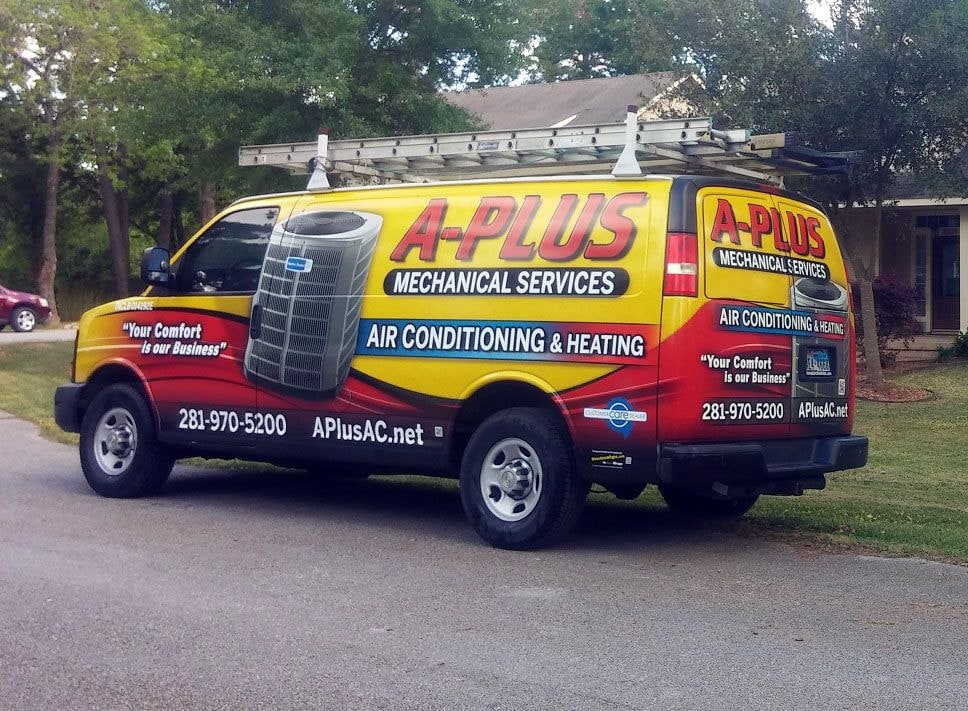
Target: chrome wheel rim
{"type": "Point", "coordinates": [26, 320]}
{"type": "Point", "coordinates": [511, 479]}
{"type": "Point", "coordinates": [115, 441]}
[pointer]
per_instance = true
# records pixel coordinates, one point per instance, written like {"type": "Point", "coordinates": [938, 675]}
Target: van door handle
{"type": "Point", "coordinates": [255, 322]}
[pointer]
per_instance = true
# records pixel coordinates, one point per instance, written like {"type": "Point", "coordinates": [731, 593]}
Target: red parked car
{"type": "Point", "coordinates": [21, 310]}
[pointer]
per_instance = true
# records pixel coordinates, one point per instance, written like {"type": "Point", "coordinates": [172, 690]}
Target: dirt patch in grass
{"type": "Point", "coordinates": [897, 386]}
{"type": "Point", "coordinates": [892, 392]}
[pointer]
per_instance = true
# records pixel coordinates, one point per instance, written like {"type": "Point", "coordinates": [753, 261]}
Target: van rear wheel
{"type": "Point", "coordinates": [518, 483]}
{"type": "Point", "coordinates": [120, 453]}
{"type": "Point", "coordinates": [693, 503]}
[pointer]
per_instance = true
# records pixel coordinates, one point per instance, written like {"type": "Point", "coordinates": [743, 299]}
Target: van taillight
{"type": "Point", "coordinates": [682, 265]}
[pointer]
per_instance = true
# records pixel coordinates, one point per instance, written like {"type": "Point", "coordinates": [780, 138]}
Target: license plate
{"type": "Point", "coordinates": [818, 363]}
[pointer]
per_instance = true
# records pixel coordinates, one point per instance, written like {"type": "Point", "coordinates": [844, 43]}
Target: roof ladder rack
{"type": "Point", "coordinates": [689, 145]}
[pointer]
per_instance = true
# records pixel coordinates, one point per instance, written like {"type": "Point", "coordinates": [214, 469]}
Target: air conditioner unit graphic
{"type": "Point", "coordinates": [821, 366]}
{"type": "Point", "coordinates": [306, 312]}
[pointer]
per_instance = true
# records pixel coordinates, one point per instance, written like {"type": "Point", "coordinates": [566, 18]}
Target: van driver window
{"type": "Point", "coordinates": [228, 256]}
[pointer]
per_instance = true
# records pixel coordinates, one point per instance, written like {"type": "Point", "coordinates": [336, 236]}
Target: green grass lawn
{"type": "Point", "coordinates": [911, 498]}
{"type": "Point", "coordinates": [29, 374]}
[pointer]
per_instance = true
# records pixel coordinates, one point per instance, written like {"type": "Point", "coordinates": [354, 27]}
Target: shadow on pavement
{"type": "Point", "coordinates": [429, 504]}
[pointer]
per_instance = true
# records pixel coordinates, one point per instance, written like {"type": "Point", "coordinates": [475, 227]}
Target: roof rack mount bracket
{"type": "Point", "coordinates": [318, 180]}
{"type": "Point", "coordinates": [627, 165]}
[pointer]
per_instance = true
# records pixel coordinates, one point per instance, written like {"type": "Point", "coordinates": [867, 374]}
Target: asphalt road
{"type": "Point", "coordinates": [277, 590]}
{"type": "Point", "coordinates": [41, 335]}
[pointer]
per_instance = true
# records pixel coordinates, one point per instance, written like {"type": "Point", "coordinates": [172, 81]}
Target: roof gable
{"type": "Point", "coordinates": [576, 102]}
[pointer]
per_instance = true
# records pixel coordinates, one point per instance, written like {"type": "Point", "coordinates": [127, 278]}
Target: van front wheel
{"type": "Point", "coordinates": [518, 483]}
{"type": "Point", "coordinates": [692, 503]}
{"type": "Point", "coordinates": [120, 453]}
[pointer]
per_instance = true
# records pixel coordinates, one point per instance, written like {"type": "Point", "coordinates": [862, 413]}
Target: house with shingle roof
{"type": "Point", "coordinates": [576, 102]}
{"type": "Point", "coordinates": [924, 239]}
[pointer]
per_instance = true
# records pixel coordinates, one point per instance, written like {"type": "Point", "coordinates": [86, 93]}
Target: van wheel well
{"type": "Point", "coordinates": [491, 399]}
{"type": "Point", "coordinates": [109, 375]}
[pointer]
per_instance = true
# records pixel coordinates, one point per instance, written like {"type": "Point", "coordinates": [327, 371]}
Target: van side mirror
{"type": "Point", "coordinates": [155, 269]}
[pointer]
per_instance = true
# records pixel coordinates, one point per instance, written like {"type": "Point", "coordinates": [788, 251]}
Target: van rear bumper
{"type": "Point", "coordinates": [785, 466]}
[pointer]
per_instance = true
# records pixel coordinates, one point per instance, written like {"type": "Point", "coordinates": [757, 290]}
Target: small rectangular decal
{"type": "Point", "coordinates": [609, 460]}
{"type": "Point", "coordinates": [817, 363]}
{"type": "Point", "coordinates": [300, 265]}
{"type": "Point", "coordinates": [618, 414]}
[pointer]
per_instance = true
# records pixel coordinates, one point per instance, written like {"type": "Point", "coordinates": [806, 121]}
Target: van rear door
{"type": "Point", "coordinates": [821, 343]}
{"type": "Point", "coordinates": [767, 329]}
{"type": "Point", "coordinates": [741, 377]}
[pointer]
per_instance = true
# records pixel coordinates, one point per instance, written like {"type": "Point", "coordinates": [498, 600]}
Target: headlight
{"type": "Point", "coordinates": [43, 302]}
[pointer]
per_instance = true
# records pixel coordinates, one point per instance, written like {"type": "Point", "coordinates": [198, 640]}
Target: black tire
{"type": "Point", "coordinates": [560, 491]}
{"type": "Point", "coordinates": [692, 503]}
{"type": "Point", "coordinates": [149, 463]}
{"type": "Point", "coordinates": [15, 318]}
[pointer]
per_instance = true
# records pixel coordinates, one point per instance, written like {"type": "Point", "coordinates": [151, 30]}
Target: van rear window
{"type": "Point", "coordinates": [744, 249]}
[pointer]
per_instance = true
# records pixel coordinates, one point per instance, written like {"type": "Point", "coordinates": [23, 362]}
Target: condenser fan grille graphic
{"type": "Point", "coordinates": [325, 223]}
{"type": "Point", "coordinates": [306, 311]}
{"type": "Point", "coordinates": [814, 357]}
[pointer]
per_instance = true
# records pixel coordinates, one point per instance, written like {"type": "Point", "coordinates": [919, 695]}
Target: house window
{"type": "Point", "coordinates": [921, 271]}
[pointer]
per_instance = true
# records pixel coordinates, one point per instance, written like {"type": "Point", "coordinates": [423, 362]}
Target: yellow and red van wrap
{"type": "Point", "coordinates": [556, 284]}
{"type": "Point", "coordinates": [748, 359]}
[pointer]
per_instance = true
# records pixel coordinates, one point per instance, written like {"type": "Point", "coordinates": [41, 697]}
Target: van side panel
{"type": "Point", "coordinates": [554, 285]}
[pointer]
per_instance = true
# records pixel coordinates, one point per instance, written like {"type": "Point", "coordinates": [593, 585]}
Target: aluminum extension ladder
{"type": "Point", "coordinates": [688, 145]}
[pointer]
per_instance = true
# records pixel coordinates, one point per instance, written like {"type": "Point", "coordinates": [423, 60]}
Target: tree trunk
{"type": "Point", "coordinates": [124, 217]}
{"type": "Point", "coordinates": [862, 276]}
{"type": "Point", "coordinates": [166, 207]}
{"type": "Point", "coordinates": [868, 317]}
{"type": "Point", "coordinates": [48, 249]}
{"type": "Point", "coordinates": [111, 206]}
{"type": "Point", "coordinates": [178, 224]}
{"type": "Point", "coordinates": [206, 201]}
{"type": "Point", "coordinates": [872, 354]}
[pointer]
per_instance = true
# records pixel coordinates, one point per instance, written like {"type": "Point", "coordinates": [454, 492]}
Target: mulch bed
{"type": "Point", "coordinates": [892, 393]}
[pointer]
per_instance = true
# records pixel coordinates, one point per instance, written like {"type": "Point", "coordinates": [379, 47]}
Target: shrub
{"type": "Point", "coordinates": [895, 308]}
{"type": "Point", "coordinates": [958, 349]}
